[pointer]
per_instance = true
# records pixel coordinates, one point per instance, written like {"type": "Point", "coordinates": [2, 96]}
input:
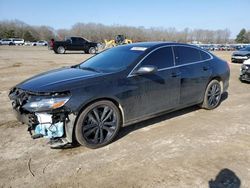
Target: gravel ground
{"type": "Point", "coordinates": [187, 148]}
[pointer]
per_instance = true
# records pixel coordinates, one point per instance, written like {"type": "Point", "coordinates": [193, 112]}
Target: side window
{"type": "Point", "coordinates": [204, 55]}
{"type": "Point", "coordinates": [81, 40]}
{"type": "Point", "coordinates": [184, 54]}
{"type": "Point", "coordinates": [74, 40]}
{"type": "Point", "coordinates": [161, 58]}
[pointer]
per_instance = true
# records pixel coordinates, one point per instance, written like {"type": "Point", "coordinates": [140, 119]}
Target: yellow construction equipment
{"type": "Point", "coordinates": [119, 40]}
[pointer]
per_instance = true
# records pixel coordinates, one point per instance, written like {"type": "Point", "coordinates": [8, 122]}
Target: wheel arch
{"type": "Point", "coordinates": [63, 45]}
{"type": "Point", "coordinates": [118, 105]}
{"type": "Point", "coordinates": [218, 78]}
{"type": "Point", "coordinates": [115, 101]}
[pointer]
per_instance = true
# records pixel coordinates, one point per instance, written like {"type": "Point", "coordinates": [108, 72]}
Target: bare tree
{"type": "Point", "coordinates": [99, 32]}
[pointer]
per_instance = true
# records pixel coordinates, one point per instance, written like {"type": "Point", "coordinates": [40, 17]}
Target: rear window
{"type": "Point", "coordinates": [204, 55]}
{"type": "Point", "coordinates": [184, 55]}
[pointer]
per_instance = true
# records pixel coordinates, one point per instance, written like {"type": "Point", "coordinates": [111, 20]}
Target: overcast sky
{"type": "Point", "coordinates": [194, 14]}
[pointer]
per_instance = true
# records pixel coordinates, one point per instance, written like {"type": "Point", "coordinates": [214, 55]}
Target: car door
{"type": "Point", "coordinates": [195, 73]}
{"type": "Point", "coordinates": [72, 43]}
{"type": "Point", "coordinates": [80, 44]}
{"type": "Point", "coordinates": [155, 92]}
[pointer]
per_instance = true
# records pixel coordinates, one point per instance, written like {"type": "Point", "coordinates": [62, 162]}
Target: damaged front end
{"type": "Point", "coordinates": [45, 114]}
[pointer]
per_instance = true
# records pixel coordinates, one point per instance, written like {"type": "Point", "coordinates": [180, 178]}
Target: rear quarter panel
{"type": "Point", "coordinates": [221, 70]}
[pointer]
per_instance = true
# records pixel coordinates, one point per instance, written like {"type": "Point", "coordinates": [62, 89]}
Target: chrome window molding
{"type": "Point", "coordinates": [175, 66]}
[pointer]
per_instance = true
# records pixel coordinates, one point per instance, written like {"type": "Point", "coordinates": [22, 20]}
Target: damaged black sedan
{"type": "Point", "coordinates": [89, 102]}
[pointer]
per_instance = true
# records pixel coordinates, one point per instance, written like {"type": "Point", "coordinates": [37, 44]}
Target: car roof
{"type": "Point", "coordinates": [153, 45]}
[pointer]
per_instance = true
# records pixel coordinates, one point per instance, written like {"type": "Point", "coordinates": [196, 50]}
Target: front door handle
{"type": "Point", "coordinates": [176, 74]}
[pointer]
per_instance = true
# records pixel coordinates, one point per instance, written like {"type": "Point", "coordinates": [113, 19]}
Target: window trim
{"type": "Point", "coordinates": [175, 66]}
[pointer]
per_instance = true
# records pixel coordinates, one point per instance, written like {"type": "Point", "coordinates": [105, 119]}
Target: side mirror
{"type": "Point", "coordinates": [148, 69]}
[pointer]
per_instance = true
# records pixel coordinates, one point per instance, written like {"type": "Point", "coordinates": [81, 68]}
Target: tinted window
{"type": "Point", "coordinates": [77, 40]}
{"type": "Point", "coordinates": [160, 58]}
{"type": "Point", "coordinates": [204, 55]}
{"type": "Point", "coordinates": [113, 59]}
{"type": "Point", "coordinates": [73, 40]}
{"type": "Point", "coordinates": [80, 40]}
{"type": "Point", "coordinates": [185, 55]}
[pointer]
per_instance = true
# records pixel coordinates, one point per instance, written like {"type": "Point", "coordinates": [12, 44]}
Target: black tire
{"type": "Point", "coordinates": [212, 95]}
{"type": "Point", "coordinates": [92, 50]}
{"type": "Point", "coordinates": [98, 124]}
{"type": "Point", "coordinates": [60, 50]}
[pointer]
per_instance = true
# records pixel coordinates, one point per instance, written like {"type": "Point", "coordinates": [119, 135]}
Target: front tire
{"type": "Point", "coordinates": [60, 50]}
{"type": "Point", "coordinates": [98, 124]}
{"type": "Point", "coordinates": [212, 95]}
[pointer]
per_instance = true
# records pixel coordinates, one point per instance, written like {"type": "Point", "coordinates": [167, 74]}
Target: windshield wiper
{"type": "Point", "coordinates": [90, 69]}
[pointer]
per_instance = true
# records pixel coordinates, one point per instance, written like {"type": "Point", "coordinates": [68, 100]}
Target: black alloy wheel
{"type": "Point", "coordinates": [212, 95]}
{"type": "Point", "coordinates": [98, 124]}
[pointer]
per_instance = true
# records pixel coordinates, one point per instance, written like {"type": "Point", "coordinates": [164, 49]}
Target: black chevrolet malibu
{"type": "Point", "coordinates": [89, 102]}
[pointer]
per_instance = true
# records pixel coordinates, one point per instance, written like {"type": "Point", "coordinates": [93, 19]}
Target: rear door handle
{"type": "Point", "coordinates": [205, 68]}
{"type": "Point", "coordinates": [176, 74]}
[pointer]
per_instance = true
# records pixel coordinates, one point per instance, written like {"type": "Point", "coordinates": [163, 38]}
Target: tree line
{"type": "Point", "coordinates": [99, 32]}
{"type": "Point", "coordinates": [243, 36]}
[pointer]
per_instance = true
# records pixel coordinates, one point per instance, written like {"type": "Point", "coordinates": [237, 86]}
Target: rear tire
{"type": "Point", "coordinates": [98, 124]}
{"type": "Point", "coordinates": [212, 95]}
{"type": "Point", "coordinates": [92, 50]}
{"type": "Point", "coordinates": [60, 50]}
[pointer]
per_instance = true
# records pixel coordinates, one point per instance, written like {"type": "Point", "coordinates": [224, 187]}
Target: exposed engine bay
{"type": "Point", "coordinates": [45, 115]}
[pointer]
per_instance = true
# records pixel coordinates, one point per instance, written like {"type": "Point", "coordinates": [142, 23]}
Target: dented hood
{"type": "Point", "coordinates": [58, 80]}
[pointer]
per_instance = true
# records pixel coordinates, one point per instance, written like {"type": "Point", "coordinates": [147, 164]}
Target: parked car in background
{"type": "Point", "coordinates": [75, 44]}
{"type": "Point", "coordinates": [18, 41]}
{"type": "Point", "coordinates": [241, 55]}
{"type": "Point", "coordinates": [90, 101]}
{"type": "Point", "coordinates": [245, 71]}
{"type": "Point", "coordinates": [40, 43]}
{"type": "Point", "coordinates": [240, 46]}
{"type": "Point", "coordinates": [27, 43]}
{"type": "Point", "coordinates": [7, 42]}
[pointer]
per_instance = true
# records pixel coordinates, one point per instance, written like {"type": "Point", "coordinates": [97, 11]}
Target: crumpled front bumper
{"type": "Point", "coordinates": [245, 71]}
{"type": "Point", "coordinates": [245, 75]}
{"type": "Point", "coordinates": [55, 124]}
{"type": "Point", "coordinates": [48, 125]}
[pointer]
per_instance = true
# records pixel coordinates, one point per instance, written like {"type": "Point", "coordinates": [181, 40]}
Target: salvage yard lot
{"type": "Point", "coordinates": [187, 148]}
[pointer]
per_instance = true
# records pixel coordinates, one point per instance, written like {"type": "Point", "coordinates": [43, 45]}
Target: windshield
{"type": "Point", "coordinates": [112, 60]}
